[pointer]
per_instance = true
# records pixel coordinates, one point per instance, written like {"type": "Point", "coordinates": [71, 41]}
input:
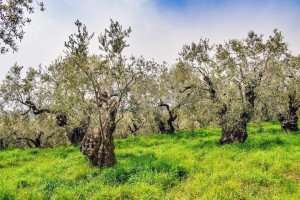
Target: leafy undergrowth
{"type": "Point", "coordinates": [181, 166]}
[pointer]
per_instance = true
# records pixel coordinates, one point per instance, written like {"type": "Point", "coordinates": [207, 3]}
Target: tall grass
{"type": "Point", "coordinates": [181, 166]}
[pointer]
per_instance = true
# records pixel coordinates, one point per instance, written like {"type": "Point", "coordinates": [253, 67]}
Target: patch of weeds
{"type": "Point", "coordinates": [271, 143]}
{"type": "Point", "coordinates": [22, 184]}
{"type": "Point", "coordinates": [117, 175]}
{"type": "Point", "coordinates": [181, 173]}
{"type": "Point", "coordinates": [205, 144]}
{"type": "Point", "coordinates": [81, 197]}
{"type": "Point", "coordinates": [7, 195]}
{"type": "Point", "coordinates": [171, 178]}
{"type": "Point", "coordinates": [125, 155]}
{"type": "Point", "coordinates": [89, 176]}
{"type": "Point", "coordinates": [48, 188]}
{"type": "Point", "coordinates": [160, 166]}
{"type": "Point", "coordinates": [34, 151]}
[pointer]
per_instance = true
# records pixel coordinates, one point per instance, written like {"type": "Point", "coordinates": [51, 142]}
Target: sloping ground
{"type": "Point", "coordinates": [182, 166]}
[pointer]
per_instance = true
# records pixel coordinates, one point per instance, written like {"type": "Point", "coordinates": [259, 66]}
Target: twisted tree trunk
{"type": "Point", "coordinates": [135, 127]}
{"type": "Point", "coordinates": [169, 127]}
{"type": "Point", "coordinates": [98, 144]}
{"type": "Point", "coordinates": [161, 126]}
{"type": "Point", "coordinates": [289, 120]}
{"type": "Point", "coordinates": [36, 142]}
{"type": "Point", "coordinates": [234, 131]}
{"type": "Point", "coordinates": [61, 118]}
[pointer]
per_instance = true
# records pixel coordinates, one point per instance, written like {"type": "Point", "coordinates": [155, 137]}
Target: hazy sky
{"type": "Point", "coordinates": [160, 27]}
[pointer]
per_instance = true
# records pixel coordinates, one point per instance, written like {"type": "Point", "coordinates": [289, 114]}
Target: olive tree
{"type": "Point", "coordinates": [27, 106]}
{"type": "Point", "coordinates": [289, 93]}
{"type": "Point", "coordinates": [231, 74]}
{"type": "Point", "coordinates": [14, 15]}
{"type": "Point", "coordinates": [171, 92]}
{"type": "Point", "coordinates": [29, 94]}
{"type": "Point", "coordinates": [70, 97]}
{"type": "Point", "coordinates": [108, 78]}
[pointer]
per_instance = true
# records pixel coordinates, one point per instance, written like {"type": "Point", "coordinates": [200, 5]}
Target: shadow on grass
{"type": "Point", "coordinates": [133, 168]}
{"type": "Point", "coordinates": [141, 142]}
{"type": "Point", "coordinates": [252, 144]}
{"type": "Point", "coordinates": [264, 144]}
{"type": "Point", "coordinates": [161, 139]}
{"type": "Point", "coordinates": [263, 130]}
{"type": "Point", "coordinates": [209, 139]}
{"type": "Point", "coordinates": [16, 161]}
{"type": "Point", "coordinates": [207, 144]}
{"type": "Point", "coordinates": [195, 134]}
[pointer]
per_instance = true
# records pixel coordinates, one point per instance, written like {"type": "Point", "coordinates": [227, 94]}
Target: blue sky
{"type": "Point", "coordinates": [160, 27]}
{"type": "Point", "coordinates": [202, 5]}
{"type": "Point", "coordinates": [177, 4]}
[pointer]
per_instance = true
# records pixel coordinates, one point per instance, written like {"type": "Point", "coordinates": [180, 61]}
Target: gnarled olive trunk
{"type": "Point", "coordinates": [36, 142]}
{"type": "Point", "coordinates": [135, 127]}
{"type": "Point", "coordinates": [166, 128]}
{"type": "Point", "coordinates": [99, 149]}
{"type": "Point", "coordinates": [169, 126]}
{"type": "Point", "coordinates": [234, 131]}
{"type": "Point", "coordinates": [170, 122]}
{"type": "Point", "coordinates": [98, 144]}
{"type": "Point", "coordinates": [161, 126]}
{"type": "Point", "coordinates": [289, 120]}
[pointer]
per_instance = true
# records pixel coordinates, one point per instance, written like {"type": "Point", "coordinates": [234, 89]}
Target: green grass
{"type": "Point", "coordinates": [182, 166]}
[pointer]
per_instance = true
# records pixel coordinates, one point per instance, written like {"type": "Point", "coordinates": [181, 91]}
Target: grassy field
{"type": "Point", "coordinates": [182, 166]}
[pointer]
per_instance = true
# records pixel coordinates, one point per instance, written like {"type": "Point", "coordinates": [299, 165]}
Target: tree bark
{"type": "Point", "coordinates": [100, 152]}
{"type": "Point", "coordinates": [134, 128]}
{"type": "Point", "coordinates": [161, 126]}
{"type": "Point", "coordinates": [234, 131]}
{"type": "Point", "coordinates": [166, 128]}
{"type": "Point", "coordinates": [170, 121]}
{"type": "Point", "coordinates": [169, 128]}
{"type": "Point", "coordinates": [98, 144]}
{"type": "Point", "coordinates": [61, 118]}
{"type": "Point", "coordinates": [2, 144]}
{"type": "Point", "coordinates": [289, 120]}
{"type": "Point", "coordinates": [33, 143]}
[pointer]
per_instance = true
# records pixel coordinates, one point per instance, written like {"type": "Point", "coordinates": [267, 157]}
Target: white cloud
{"type": "Point", "coordinates": [158, 32]}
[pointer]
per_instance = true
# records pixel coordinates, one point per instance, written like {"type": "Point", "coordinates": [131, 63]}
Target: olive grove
{"type": "Point", "coordinates": [88, 99]}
